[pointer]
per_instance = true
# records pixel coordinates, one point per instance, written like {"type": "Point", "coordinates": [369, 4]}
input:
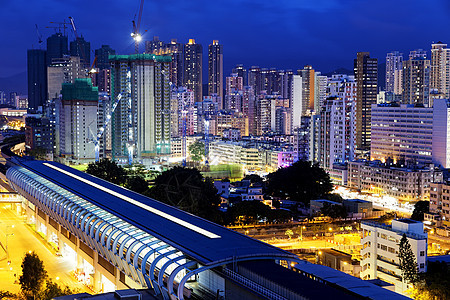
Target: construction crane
{"type": "Point", "coordinates": [96, 138]}
{"type": "Point", "coordinates": [39, 35]}
{"type": "Point", "coordinates": [60, 25]}
{"type": "Point", "coordinates": [136, 35]}
{"type": "Point", "coordinates": [77, 39]}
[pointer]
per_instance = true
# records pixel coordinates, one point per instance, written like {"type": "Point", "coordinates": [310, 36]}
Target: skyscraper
{"type": "Point", "coordinates": [242, 72]}
{"type": "Point", "coordinates": [193, 79]}
{"type": "Point", "coordinates": [141, 122]}
{"type": "Point", "coordinates": [215, 69]}
{"type": "Point", "coordinates": [81, 48]}
{"type": "Point", "coordinates": [103, 77]}
{"type": "Point", "coordinates": [394, 68]}
{"type": "Point", "coordinates": [37, 78]}
{"type": "Point", "coordinates": [440, 69]}
{"type": "Point", "coordinates": [254, 79]}
{"type": "Point", "coordinates": [175, 50]}
{"type": "Point", "coordinates": [56, 46]}
{"type": "Point", "coordinates": [366, 74]}
{"type": "Point", "coordinates": [76, 121]}
{"type": "Point", "coordinates": [416, 79]}
{"type": "Point", "coordinates": [308, 77]}
{"type": "Point", "coordinates": [154, 46]}
{"type": "Point", "coordinates": [102, 56]}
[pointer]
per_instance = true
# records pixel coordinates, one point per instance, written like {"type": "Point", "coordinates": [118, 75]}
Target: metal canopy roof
{"type": "Point", "coordinates": [203, 240]}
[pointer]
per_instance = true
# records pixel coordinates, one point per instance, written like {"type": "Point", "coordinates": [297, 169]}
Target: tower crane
{"type": "Point", "coordinates": [136, 35]}
{"type": "Point", "coordinates": [39, 35]}
{"type": "Point", "coordinates": [96, 138]}
{"type": "Point", "coordinates": [77, 39]}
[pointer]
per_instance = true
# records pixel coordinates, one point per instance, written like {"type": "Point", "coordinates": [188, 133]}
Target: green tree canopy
{"type": "Point", "coordinates": [254, 178]}
{"type": "Point", "coordinates": [187, 189]}
{"type": "Point", "coordinates": [108, 170]}
{"type": "Point", "coordinates": [53, 290]}
{"type": "Point", "coordinates": [33, 275]}
{"type": "Point", "coordinates": [436, 281]}
{"type": "Point", "coordinates": [407, 261]}
{"type": "Point", "coordinates": [420, 208]}
{"type": "Point", "coordinates": [137, 184]}
{"type": "Point", "coordinates": [301, 182]}
{"type": "Point", "coordinates": [248, 212]}
{"type": "Point", "coordinates": [333, 211]}
{"type": "Point", "coordinates": [197, 151]}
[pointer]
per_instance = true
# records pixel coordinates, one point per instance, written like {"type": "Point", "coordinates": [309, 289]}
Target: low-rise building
{"type": "Point", "coordinates": [440, 201]}
{"type": "Point", "coordinates": [380, 250]}
{"type": "Point", "coordinates": [339, 260]}
{"type": "Point", "coordinates": [315, 206]}
{"type": "Point", "coordinates": [407, 184]}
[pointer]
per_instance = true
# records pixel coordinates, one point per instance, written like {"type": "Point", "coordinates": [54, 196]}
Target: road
{"type": "Point", "coordinates": [18, 244]}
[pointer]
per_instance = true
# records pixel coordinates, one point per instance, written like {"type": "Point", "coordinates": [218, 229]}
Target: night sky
{"type": "Point", "coordinates": [282, 34]}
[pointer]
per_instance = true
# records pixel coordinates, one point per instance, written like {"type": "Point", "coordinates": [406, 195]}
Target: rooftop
{"type": "Point", "coordinates": [201, 239]}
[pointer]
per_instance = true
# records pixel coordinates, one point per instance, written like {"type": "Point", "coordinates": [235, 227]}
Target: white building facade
{"type": "Point", "coordinates": [381, 248]}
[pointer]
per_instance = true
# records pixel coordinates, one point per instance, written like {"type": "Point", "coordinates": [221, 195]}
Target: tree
{"type": "Point", "coordinates": [254, 178]}
{"type": "Point", "coordinates": [289, 233]}
{"type": "Point", "coordinates": [436, 281]}
{"type": "Point", "coordinates": [137, 184]}
{"type": "Point", "coordinates": [420, 208]}
{"type": "Point", "coordinates": [407, 261]}
{"type": "Point", "coordinates": [53, 290]}
{"type": "Point", "coordinates": [33, 275]}
{"type": "Point", "coordinates": [248, 212]}
{"type": "Point", "coordinates": [108, 170]}
{"type": "Point", "coordinates": [187, 189]}
{"type": "Point", "coordinates": [301, 182]}
{"type": "Point", "coordinates": [333, 211]}
{"type": "Point", "coordinates": [197, 151]}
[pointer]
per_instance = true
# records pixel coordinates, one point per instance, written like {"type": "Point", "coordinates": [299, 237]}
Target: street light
{"type": "Point", "coordinates": [301, 233]}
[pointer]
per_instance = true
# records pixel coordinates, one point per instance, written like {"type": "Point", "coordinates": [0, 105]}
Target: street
{"type": "Point", "coordinates": [19, 238]}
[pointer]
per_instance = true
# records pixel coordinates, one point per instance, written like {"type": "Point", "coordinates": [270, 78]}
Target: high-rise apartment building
{"type": "Point", "coordinates": [56, 46]}
{"type": "Point", "coordinates": [215, 69]}
{"type": "Point", "coordinates": [308, 77]}
{"type": "Point", "coordinates": [337, 132]}
{"type": "Point", "coordinates": [249, 108]}
{"type": "Point", "coordinates": [366, 75]}
{"type": "Point", "coordinates": [254, 79]}
{"type": "Point", "coordinates": [402, 133]}
{"type": "Point", "coordinates": [76, 121]}
{"type": "Point", "coordinates": [175, 50]}
{"type": "Point", "coordinates": [81, 48]}
{"type": "Point", "coordinates": [102, 55]}
{"type": "Point", "coordinates": [320, 91]}
{"type": "Point", "coordinates": [298, 103]}
{"type": "Point", "coordinates": [141, 122]}
{"type": "Point", "coordinates": [37, 78]}
{"type": "Point", "coordinates": [440, 70]}
{"type": "Point", "coordinates": [394, 69]}
{"type": "Point", "coordinates": [63, 70]}
{"type": "Point", "coordinates": [416, 79]}
{"type": "Point", "coordinates": [154, 46]}
{"type": "Point", "coordinates": [193, 55]}
{"type": "Point", "coordinates": [242, 72]}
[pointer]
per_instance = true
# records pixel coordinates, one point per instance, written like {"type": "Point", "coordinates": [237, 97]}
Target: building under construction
{"type": "Point", "coordinates": [141, 120]}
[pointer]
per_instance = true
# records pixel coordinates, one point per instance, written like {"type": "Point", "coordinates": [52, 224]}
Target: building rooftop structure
{"type": "Point", "coordinates": [344, 281]}
{"type": "Point", "coordinates": [203, 240]}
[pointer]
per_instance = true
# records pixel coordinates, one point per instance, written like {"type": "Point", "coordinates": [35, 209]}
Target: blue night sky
{"type": "Point", "coordinates": [283, 34]}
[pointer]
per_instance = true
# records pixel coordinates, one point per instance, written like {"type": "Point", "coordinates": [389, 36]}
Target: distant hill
{"type": "Point", "coordinates": [15, 83]}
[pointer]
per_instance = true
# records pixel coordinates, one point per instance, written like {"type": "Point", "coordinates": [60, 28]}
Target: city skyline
{"type": "Point", "coordinates": [261, 28]}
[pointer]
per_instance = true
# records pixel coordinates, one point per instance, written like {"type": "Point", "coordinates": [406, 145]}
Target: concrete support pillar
{"type": "Point", "coordinates": [117, 277]}
{"type": "Point", "coordinates": [60, 242]}
{"type": "Point", "coordinates": [97, 276]}
{"type": "Point", "coordinates": [79, 261]}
